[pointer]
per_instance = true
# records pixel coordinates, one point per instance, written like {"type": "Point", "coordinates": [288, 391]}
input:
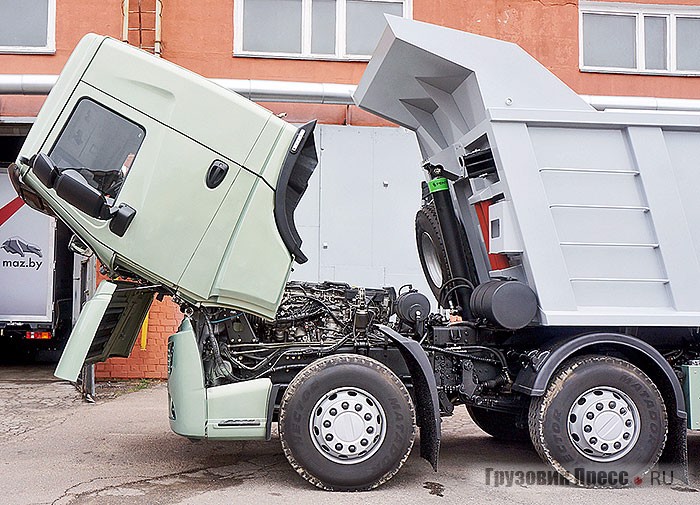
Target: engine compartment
{"type": "Point", "coordinates": [319, 319]}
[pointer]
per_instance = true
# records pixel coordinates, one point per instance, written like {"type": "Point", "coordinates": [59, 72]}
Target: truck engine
{"type": "Point", "coordinates": [313, 320]}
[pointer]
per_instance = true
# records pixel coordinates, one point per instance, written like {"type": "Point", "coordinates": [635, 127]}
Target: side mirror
{"type": "Point", "coordinates": [44, 169]}
{"type": "Point", "coordinates": [74, 189]}
{"type": "Point", "coordinates": [79, 247]}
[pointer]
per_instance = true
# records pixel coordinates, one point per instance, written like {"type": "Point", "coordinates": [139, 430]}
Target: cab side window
{"type": "Point", "coordinates": [99, 144]}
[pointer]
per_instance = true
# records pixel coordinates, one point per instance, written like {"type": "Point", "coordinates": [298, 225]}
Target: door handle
{"type": "Point", "coordinates": [216, 173]}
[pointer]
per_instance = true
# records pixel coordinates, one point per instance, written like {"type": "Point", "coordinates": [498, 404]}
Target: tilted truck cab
{"type": "Point", "coordinates": [170, 177]}
{"type": "Point", "coordinates": [559, 241]}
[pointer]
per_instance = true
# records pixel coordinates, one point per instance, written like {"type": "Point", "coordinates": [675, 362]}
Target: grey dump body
{"type": "Point", "coordinates": [596, 211]}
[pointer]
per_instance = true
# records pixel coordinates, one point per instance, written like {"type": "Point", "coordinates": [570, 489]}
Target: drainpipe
{"type": "Point", "coordinates": [257, 90]}
{"type": "Point", "coordinates": [341, 94]}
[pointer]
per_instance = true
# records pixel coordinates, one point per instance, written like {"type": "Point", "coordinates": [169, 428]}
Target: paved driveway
{"type": "Point", "coordinates": [56, 449]}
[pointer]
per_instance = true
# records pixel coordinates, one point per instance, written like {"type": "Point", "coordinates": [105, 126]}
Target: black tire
{"type": "Point", "coordinates": [309, 396]}
{"type": "Point", "coordinates": [511, 427]}
{"type": "Point", "coordinates": [574, 386]}
{"type": "Point", "coordinates": [431, 249]}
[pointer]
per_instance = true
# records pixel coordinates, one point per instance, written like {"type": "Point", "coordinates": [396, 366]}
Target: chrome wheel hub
{"type": "Point", "coordinates": [347, 425]}
{"type": "Point", "coordinates": [603, 424]}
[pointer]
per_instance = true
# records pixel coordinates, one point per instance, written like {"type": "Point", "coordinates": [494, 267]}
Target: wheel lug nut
{"type": "Point", "coordinates": [623, 411]}
{"type": "Point", "coordinates": [587, 428]}
{"type": "Point", "coordinates": [345, 405]}
{"type": "Point", "coordinates": [332, 412]}
{"type": "Point", "coordinates": [611, 405]}
{"type": "Point", "coordinates": [604, 447]}
{"type": "Point", "coordinates": [352, 448]}
{"type": "Point", "coordinates": [626, 436]}
{"type": "Point", "coordinates": [370, 430]}
{"type": "Point", "coordinates": [358, 407]}
{"type": "Point", "coordinates": [364, 442]}
{"type": "Point", "coordinates": [590, 415]}
{"type": "Point", "coordinates": [599, 406]}
{"type": "Point", "coordinates": [617, 445]}
{"type": "Point", "coordinates": [338, 447]}
{"type": "Point", "coordinates": [329, 437]}
{"type": "Point", "coordinates": [628, 423]}
{"type": "Point", "coordinates": [593, 441]}
{"type": "Point", "coordinates": [368, 416]}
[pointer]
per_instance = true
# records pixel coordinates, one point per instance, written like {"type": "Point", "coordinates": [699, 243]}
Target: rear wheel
{"type": "Point", "coordinates": [501, 425]}
{"type": "Point", "coordinates": [346, 423]}
{"type": "Point", "coordinates": [599, 414]}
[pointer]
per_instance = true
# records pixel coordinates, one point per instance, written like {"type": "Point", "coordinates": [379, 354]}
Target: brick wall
{"type": "Point", "coordinates": [151, 362]}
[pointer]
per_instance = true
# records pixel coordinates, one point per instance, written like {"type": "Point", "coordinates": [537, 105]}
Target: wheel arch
{"type": "Point", "coordinates": [533, 379]}
{"type": "Point", "coordinates": [425, 388]}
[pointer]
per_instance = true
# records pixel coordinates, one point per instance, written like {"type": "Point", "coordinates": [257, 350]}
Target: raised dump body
{"type": "Point", "coordinates": [596, 211]}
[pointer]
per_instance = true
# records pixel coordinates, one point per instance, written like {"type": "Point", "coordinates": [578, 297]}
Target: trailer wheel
{"type": "Point", "coordinates": [347, 423]}
{"type": "Point", "coordinates": [501, 425]}
{"type": "Point", "coordinates": [431, 250]}
{"type": "Point", "coordinates": [599, 417]}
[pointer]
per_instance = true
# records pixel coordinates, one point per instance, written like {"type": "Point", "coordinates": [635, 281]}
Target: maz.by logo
{"type": "Point", "coordinates": [16, 245]}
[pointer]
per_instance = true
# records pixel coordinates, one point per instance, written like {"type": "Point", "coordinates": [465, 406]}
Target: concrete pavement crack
{"type": "Point", "coordinates": [147, 479]}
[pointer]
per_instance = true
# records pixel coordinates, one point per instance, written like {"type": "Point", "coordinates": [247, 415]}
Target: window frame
{"type": "Point", "coordinates": [95, 101]}
{"type": "Point", "coordinates": [49, 48]}
{"type": "Point", "coordinates": [306, 33]}
{"type": "Point", "coordinates": [670, 12]}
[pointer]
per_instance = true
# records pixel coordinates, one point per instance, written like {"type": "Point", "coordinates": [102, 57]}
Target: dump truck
{"type": "Point", "coordinates": [561, 243]}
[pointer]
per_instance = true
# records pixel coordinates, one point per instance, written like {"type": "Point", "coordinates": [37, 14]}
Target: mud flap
{"type": "Point", "coordinates": [428, 407]}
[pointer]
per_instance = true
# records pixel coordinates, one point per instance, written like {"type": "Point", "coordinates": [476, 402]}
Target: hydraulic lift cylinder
{"type": "Point", "coordinates": [451, 238]}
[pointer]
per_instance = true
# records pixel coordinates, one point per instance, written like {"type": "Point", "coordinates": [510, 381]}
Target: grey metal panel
{"type": "Point", "coordinates": [586, 261]}
{"type": "Point", "coordinates": [670, 220]}
{"type": "Point", "coordinates": [569, 187]}
{"type": "Point", "coordinates": [603, 225]}
{"type": "Point", "coordinates": [543, 259]}
{"type": "Point", "coordinates": [683, 149]}
{"type": "Point", "coordinates": [357, 217]}
{"type": "Point", "coordinates": [614, 293]}
{"type": "Point", "coordinates": [585, 148]}
{"type": "Point", "coordinates": [346, 197]}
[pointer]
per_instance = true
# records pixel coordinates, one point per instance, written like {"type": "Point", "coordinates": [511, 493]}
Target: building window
{"type": "Point", "coordinates": [312, 29]}
{"type": "Point", "coordinates": [27, 26]}
{"type": "Point", "coordinates": [639, 38]}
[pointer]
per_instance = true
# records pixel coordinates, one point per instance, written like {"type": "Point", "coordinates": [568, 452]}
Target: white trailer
{"type": "Point", "coordinates": [41, 281]}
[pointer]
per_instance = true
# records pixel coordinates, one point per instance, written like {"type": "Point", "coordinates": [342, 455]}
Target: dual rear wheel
{"type": "Point", "coordinates": [598, 414]}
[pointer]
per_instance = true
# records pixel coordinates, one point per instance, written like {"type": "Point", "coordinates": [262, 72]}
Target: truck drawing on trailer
{"type": "Point", "coordinates": [560, 241]}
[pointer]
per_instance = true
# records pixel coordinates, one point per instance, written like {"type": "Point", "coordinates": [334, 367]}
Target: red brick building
{"type": "Point", "coordinates": [641, 48]}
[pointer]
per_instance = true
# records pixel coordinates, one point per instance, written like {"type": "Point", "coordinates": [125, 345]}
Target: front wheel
{"type": "Point", "coordinates": [347, 423]}
{"type": "Point", "coordinates": [600, 416]}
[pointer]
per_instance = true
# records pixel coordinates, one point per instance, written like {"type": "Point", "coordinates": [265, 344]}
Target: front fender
{"type": "Point", "coordinates": [428, 409]}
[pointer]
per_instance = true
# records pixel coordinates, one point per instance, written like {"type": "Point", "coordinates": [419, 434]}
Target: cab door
{"type": "Point", "coordinates": [154, 172]}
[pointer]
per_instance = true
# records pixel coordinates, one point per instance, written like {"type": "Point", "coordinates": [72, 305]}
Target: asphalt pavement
{"type": "Point", "coordinates": [58, 449]}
